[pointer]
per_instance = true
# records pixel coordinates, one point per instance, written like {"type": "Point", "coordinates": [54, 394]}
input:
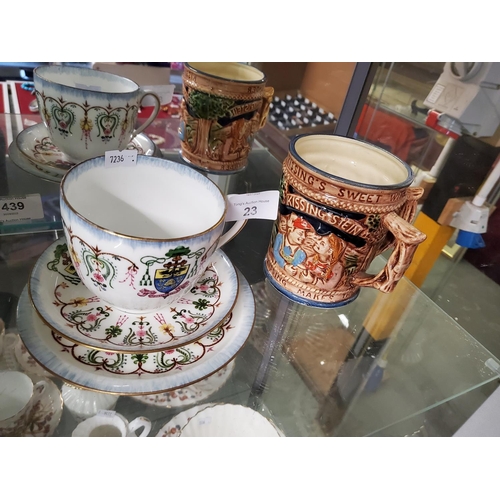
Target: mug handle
{"type": "Point", "coordinates": [234, 231]}
{"type": "Point", "coordinates": [137, 424]}
{"type": "Point", "coordinates": [154, 114]}
{"type": "Point", "coordinates": [408, 211]}
{"type": "Point", "coordinates": [407, 238]}
{"type": "Point", "coordinates": [266, 102]}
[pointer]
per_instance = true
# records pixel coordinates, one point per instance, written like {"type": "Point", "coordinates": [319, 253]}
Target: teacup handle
{"type": "Point", "coordinates": [137, 424]}
{"type": "Point", "coordinates": [407, 239]}
{"type": "Point", "coordinates": [154, 114]}
{"type": "Point", "coordinates": [266, 102]}
{"type": "Point", "coordinates": [39, 388]}
{"type": "Point", "coordinates": [235, 229]}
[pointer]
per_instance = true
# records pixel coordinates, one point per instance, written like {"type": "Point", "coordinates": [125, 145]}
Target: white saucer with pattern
{"type": "Point", "coordinates": [174, 426]}
{"type": "Point", "coordinates": [191, 394]}
{"type": "Point", "coordinates": [73, 311]}
{"type": "Point", "coordinates": [34, 152]}
{"type": "Point", "coordinates": [136, 374]}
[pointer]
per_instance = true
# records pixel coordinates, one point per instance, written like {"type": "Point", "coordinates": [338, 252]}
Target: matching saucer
{"type": "Point", "coordinates": [34, 152]}
{"type": "Point", "coordinates": [192, 394]}
{"type": "Point", "coordinates": [220, 420]}
{"type": "Point", "coordinates": [145, 373]}
{"type": "Point", "coordinates": [31, 167]}
{"type": "Point", "coordinates": [26, 362]}
{"type": "Point", "coordinates": [174, 426]}
{"type": "Point", "coordinates": [72, 311]}
{"type": "Point", "coordinates": [8, 359]}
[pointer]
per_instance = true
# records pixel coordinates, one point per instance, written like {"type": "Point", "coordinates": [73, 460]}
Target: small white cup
{"type": "Point", "coordinates": [84, 404]}
{"type": "Point", "coordinates": [112, 424]}
{"type": "Point", "coordinates": [18, 395]}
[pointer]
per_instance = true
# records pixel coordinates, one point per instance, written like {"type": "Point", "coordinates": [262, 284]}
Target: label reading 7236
{"type": "Point", "coordinates": [127, 157]}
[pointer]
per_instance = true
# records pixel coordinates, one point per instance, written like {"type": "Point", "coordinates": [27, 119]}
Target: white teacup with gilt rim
{"type": "Point", "coordinates": [18, 394]}
{"type": "Point", "coordinates": [140, 236]}
{"type": "Point", "coordinates": [88, 112]}
{"type": "Point", "coordinates": [84, 404]}
{"type": "Point", "coordinates": [112, 424]}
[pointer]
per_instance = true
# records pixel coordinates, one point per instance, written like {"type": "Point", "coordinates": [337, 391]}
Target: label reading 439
{"type": "Point", "coordinates": [21, 208]}
{"type": "Point", "coordinates": [127, 157]}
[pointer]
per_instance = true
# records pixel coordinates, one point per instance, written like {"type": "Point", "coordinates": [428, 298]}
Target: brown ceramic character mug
{"type": "Point", "coordinates": [342, 203]}
{"type": "Point", "coordinates": [223, 106]}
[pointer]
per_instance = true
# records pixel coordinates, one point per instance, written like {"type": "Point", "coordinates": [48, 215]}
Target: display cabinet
{"type": "Point", "coordinates": [391, 364]}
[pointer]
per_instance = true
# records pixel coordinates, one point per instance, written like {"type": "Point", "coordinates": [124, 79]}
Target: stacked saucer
{"type": "Point", "coordinates": [34, 152]}
{"type": "Point", "coordinates": [77, 336]}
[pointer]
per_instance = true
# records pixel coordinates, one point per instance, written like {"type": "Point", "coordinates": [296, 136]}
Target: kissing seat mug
{"type": "Point", "coordinates": [141, 235]}
{"type": "Point", "coordinates": [88, 112]}
{"type": "Point", "coordinates": [342, 202]}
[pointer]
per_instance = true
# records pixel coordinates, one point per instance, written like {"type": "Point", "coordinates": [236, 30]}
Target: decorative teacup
{"type": "Point", "coordinates": [112, 424]}
{"type": "Point", "coordinates": [18, 397]}
{"type": "Point", "coordinates": [139, 236]}
{"type": "Point", "coordinates": [84, 404]}
{"type": "Point", "coordinates": [88, 112]}
{"type": "Point", "coordinates": [224, 105]}
{"type": "Point", "coordinates": [342, 203]}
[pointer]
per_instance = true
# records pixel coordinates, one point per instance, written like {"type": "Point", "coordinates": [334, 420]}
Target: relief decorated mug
{"type": "Point", "coordinates": [139, 236]}
{"type": "Point", "coordinates": [88, 112]}
{"type": "Point", "coordinates": [342, 203]}
{"type": "Point", "coordinates": [223, 106]}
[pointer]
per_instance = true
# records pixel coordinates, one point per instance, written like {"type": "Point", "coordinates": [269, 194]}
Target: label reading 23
{"type": "Point", "coordinates": [127, 157]}
{"type": "Point", "coordinates": [263, 205]}
{"type": "Point", "coordinates": [249, 211]}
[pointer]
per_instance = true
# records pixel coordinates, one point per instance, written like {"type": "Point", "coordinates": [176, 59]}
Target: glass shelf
{"type": "Point", "coordinates": [381, 365]}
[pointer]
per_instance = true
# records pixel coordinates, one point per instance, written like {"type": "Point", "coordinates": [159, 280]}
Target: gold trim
{"type": "Point", "coordinates": [165, 348]}
{"type": "Point", "coordinates": [138, 238]}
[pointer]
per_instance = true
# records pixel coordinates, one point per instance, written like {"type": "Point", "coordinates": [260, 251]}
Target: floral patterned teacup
{"type": "Point", "coordinates": [112, 424]}
{"type": "Point", "coordinates": [88, 112]}
{"type": "Point", "coordinates": [140, 236]}
{"type": "Point", "coordinates": [18, 395]}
